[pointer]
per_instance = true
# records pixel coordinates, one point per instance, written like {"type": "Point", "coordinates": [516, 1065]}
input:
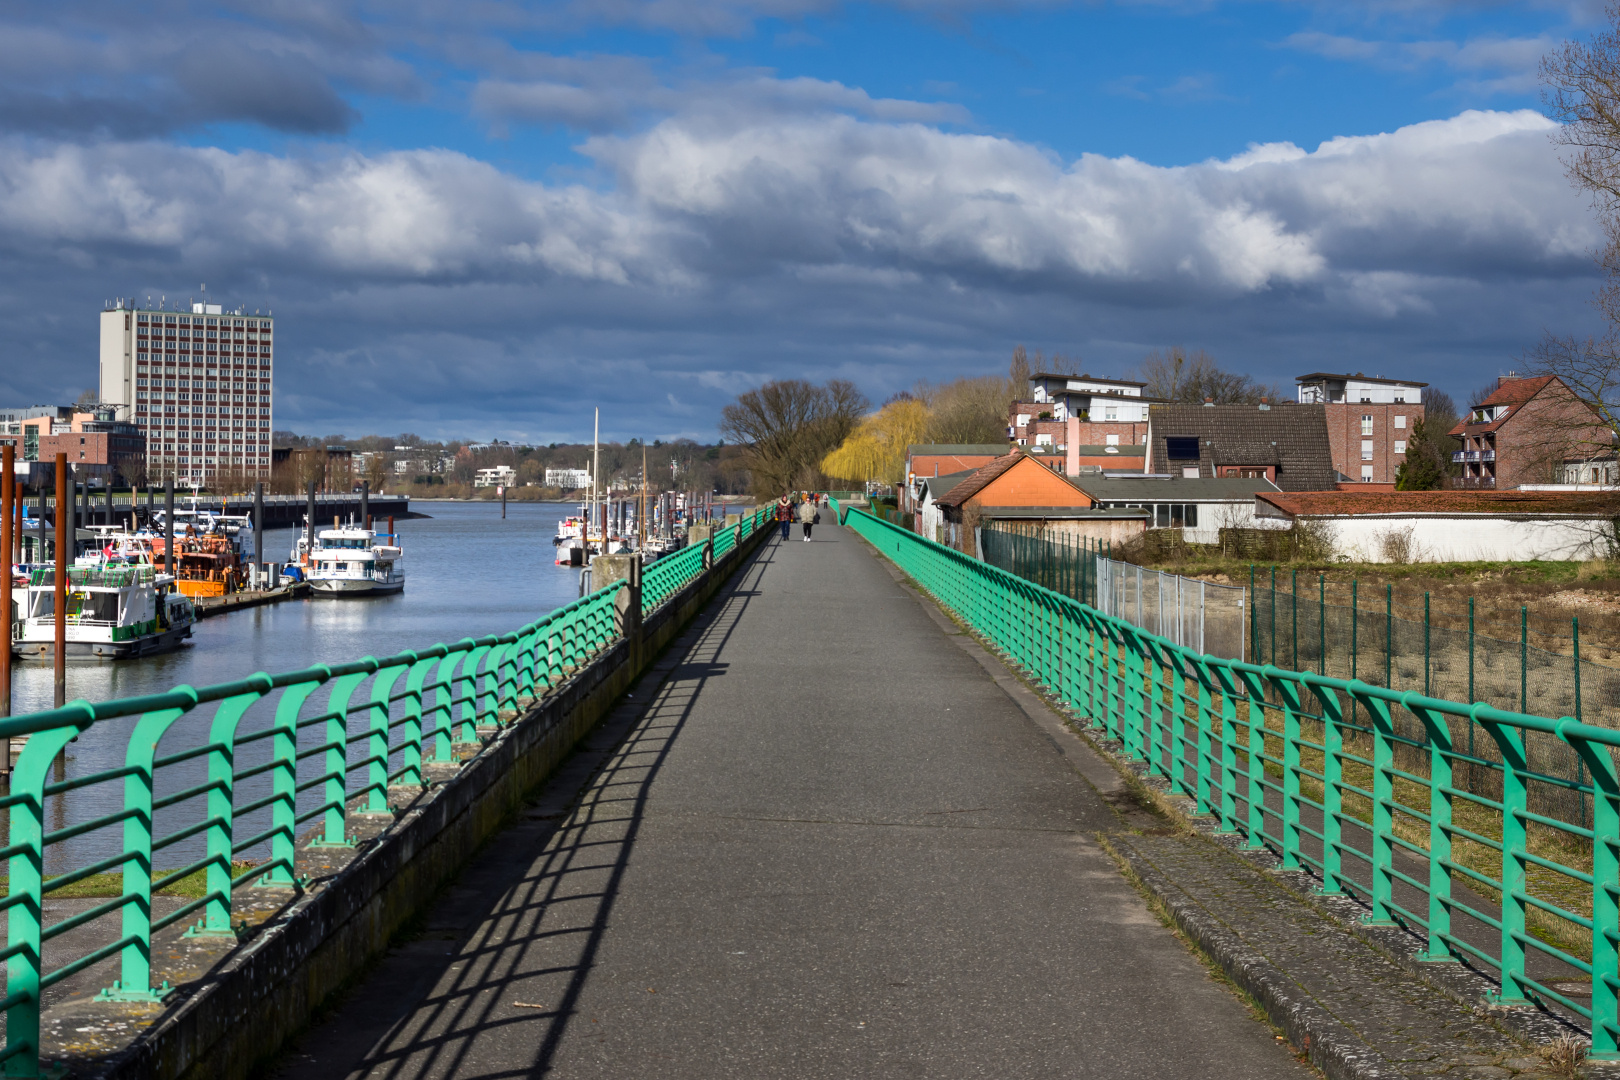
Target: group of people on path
{"type": "Point", "coordinates": [802, 506]}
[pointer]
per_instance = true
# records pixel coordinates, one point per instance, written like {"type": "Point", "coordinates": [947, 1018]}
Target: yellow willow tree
{"type": "Point", "coordinates": [876, 449]}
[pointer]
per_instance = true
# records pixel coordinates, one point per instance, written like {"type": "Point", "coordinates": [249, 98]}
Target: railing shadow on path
{"type": "Point", "coordinates": [532, 953]}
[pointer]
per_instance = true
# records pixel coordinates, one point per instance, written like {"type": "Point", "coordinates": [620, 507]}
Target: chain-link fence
{"type": "Point", "coordinates": [1196, 614]}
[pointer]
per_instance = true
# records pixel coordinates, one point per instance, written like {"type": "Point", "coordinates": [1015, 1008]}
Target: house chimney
{"type": "Point", "coordinates": [1071, 457]}
{"type": "Point", "coordinates": [1209, 403]}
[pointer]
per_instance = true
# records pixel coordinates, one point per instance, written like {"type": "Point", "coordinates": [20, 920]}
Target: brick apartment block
{"type": "Point", "coordinates": [1369, 421]}
{"type": "Point", "coordinates": [1525, 432]}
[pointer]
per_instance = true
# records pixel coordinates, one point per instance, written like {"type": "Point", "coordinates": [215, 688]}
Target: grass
{"type": "Point", "coordinates": [105, 886]}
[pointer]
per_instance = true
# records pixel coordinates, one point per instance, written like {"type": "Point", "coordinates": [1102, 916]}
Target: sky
{"type": "Point", "coordinates": [484, 219]}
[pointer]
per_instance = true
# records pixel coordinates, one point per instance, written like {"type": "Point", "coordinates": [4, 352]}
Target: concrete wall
{"type": "Point", "coordinates": [1468, 538]}
{"type": "Point", "coordinates": [266, 991]}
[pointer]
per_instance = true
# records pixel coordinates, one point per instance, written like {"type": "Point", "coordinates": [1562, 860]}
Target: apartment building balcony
{"type": "Point", "coordinates": [1473, 455]}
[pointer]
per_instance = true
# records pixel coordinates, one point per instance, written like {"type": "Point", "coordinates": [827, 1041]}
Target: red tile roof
{"type": "Point", "coordinates": [1513, 394]}
{"type": "Point", "coordinates": [1493, 503]}
{"type": "Point", "coordinates": [976, 481]}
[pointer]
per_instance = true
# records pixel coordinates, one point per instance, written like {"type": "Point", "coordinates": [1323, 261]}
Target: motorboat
{"type": "Point", "coordinates": [119, 605]}
{"type": "Point", "coordinates": [352, 560]}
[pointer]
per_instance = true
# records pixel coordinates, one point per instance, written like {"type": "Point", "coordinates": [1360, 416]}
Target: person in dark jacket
{"type": "Point", "coordinates": [784, 514]}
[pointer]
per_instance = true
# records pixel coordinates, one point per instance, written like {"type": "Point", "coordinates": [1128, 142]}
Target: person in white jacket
{"type": "Point", "coordinates": [807, 515]}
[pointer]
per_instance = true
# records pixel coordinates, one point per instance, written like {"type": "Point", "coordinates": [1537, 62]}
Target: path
{"type": "Point", "coordinates": [828, 846]}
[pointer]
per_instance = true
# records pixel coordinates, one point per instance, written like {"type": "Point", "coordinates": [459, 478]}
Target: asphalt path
{"type": "Point", "coordinates": [826, 844]}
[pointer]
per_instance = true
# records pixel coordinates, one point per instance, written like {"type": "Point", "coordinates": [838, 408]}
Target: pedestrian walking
{"type": "Point", "coordinates": [784, 514]}
{"type": "Point", "coordinates": [808, 516]}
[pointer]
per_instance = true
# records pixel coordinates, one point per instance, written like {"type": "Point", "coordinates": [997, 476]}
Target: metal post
{"type": "Point", "coordinates": [1254, 619]}
{"type": "Point", "coordinates": [8, 493]}
{"type": "Point", "coordinates": [1355, 633]}
{"type": "Point", "coordinates": [1524, 653]}
{"type": "Point", "coordinates": [1293, 612]}
{"type": "Point", "coordinates": [1426, 686]}
{"type": "Point", "coordinates": [1580, 762]}
{"type": "Point", "coordinates": [1321, 624]}
{"type": "Point", "coordinates": [1471, 699]}
{"type": "Point", "coordinates": [168, 526]}
{"type": "Point", "coordinates": [1273, 613]}
{"type": "Point", "coordinates": [64, 559]}
{"type": "Point", "coordinates": [1389, 634]}
{"type": "Point", "coordinates": [309, 520]}
{"type": "Point", "coordinates": [259, 561]}
{"type": "Point", "coordinates": [365, 503]}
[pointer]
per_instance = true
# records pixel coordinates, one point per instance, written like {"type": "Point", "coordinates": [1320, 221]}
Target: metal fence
{"type": "Point", "coordinates": [1355, 783]}
{"type": "Point", "coordinates": [219, 780]}
{"type": "Point", "coordinates": [1196, 614]}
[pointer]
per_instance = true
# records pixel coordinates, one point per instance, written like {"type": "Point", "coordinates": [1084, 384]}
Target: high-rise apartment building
{"type": "Point", "coordinates": [197, 383]}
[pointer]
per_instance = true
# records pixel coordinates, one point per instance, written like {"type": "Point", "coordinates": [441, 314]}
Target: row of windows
{"type": "Point", "coordinates": [226, 382]}
{"type": "Point", "coordinates": [1165, 515]}
{"type": "Point", "coordinates": [1367, 422]}
{"type": "Point", "coordinates": [186, 320]}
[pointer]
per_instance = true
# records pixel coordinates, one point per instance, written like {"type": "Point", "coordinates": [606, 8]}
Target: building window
{"type": "Point", "coordinates": [1366, 474]}
{"type": "Point", "coordinates": [1400, 420]}
{"type": "Point", "coordinates": [1366, 425]}
{"type": "Point", "coordinates": [1400, 446]}
{"type": "Point", "coordinates": [1113, 440]}
{"type": "Point", "coordinates": [1366, 449]}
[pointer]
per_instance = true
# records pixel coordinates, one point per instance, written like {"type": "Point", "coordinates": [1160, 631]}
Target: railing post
{"type": "Point", "coordinates": [284, 785]}
{"type": "Point", "coordinates": [1515, 867]}
{"type": "Point", "coordinates": [1383, 813]}
{"type": "Point", "coordinates": [25, 917]}
{"type": "Point", "coordinates": [1332, 789]}
{"type": "Point", "coordinates": [335, 775]}
{"type": "Point", "coordinates": [221, 832]}
{"type": "Point", "coordinates": [135, 966]}
{"type": "Point", "coordinates": [410, 774]}
{"type": "Point", "coordinates": [1229, 745]}
{"type": "Point", "coordinates": [1440, 806]}
{"type": "Point", "coordinates": [378, 717]}
{"type": "Point", "coordinates": [1254, 691]}
{"type": "Point", "coordinates": [1599, 758]}
{"type": "Point", "coordinates": [1287, 691]}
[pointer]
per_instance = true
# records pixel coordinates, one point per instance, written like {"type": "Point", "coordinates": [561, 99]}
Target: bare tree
{"type": "Point", "coordinates": [787, 426]}
{"type": "Point", "coordinates": [1174, 374]}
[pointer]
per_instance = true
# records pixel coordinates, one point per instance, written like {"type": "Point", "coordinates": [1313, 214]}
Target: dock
{"type": "Point", "coordinates": [219, 605]}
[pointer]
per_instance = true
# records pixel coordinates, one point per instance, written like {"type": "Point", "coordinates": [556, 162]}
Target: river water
{"type": "Point", "coordinates": [468, 573]}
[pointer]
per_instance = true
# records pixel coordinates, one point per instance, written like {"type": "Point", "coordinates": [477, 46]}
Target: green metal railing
{"type": "Point", "coordinates": [1359, 784]}
{"type": "Point", "coordinates": [259, 760]}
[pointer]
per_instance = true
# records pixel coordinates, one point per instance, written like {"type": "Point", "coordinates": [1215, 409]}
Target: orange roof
{"type": "Point", "coordinates": [1512, 393]}
{"type": "Point", "coordinates": [1496, 503]}
{"type": "Point", "coordinates": [1052, 484]}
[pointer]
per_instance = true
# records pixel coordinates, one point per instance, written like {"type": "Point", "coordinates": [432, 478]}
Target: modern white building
{"type": "Point", "coordinates": [568, 479]}
{"type": "Point", "coordinates": [1089, 399]}
{"type": "Point", "coordinates": [198, 384]}
{"type": "Point", "coordinates": [1325, 388]}
{"type": "Point", "coordinates": [503, 475]}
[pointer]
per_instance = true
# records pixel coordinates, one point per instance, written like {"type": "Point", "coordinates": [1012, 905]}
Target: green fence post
{"type": "Point", "coordinates": [135, 958]}
{"type": "Point", "coordinates": [1438, 949]}
{"type": "Point", "coordinates": [334, 785]}
{"type": "Point", "coordinates": [410, 771]}
{"type": "Point", "coordinates": [1321, 624]}
{"type": "Point", "coordinates": [1257, 764]}
{"type": "Point", "coordinates": [1332, 790]}
{"type": "Point", "coordinates": [1524, 655]}
{"type": "Point", "coordinates": [1287, 691]}
{"type": "Point", "coordinates": [1383, 815]}
{"type": "Point", "coordinates": [1273, 606]}
{"type": "Point", "coordinates": [380, 716]}
{"type": "Point", "coordinates": [1580, 762]}
{"type": "Point", "coordinates": [1254, 619]}
{"type": "Point", "coordinates": [1355, 636]}
{"type": "Point", "coordinates": [1389, 636]}
{"type": "Point", "coordinates": [1229, 749]}
{"type": "Point", "coordinates": [1605, 911]}
{"type": "Point", "coordinates": [1425, 644]}
{"type": "Point", "coordinates": [284, 784]}
{"type": "Point", "coordinates": [25, 917]}
{"type": "Point", "coordinates": [1293, 613]}
{"type": "Point", "coordinates": [1515, 802]}
{"type": "Point", "coordinates": [221, 832]}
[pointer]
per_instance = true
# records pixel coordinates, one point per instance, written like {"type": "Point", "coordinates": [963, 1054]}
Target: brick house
{"type": "Point", "coordinates": [1524, 432]}
{"type": "Point", "coordinates": [1018, 487]}
{"type": "Point", "coordinates": [1285, 444]}
{"type": "Point", "coordinates": [1369, 421]}
{"type": "Point", "coordinates": [1111, 412]}
{"type": "Point", "coordinates": [95, 441]}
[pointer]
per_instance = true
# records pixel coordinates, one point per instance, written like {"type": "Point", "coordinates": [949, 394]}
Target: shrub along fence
{"type": "Point", "coordinates": [212, 776]}
{"type": "Point", "coordinates": [1354, 782]}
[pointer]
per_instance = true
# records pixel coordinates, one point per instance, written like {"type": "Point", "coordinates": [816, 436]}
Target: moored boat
{"type": "Point", "coordinates": [118, 606]}
{"type": "Point", "coordinates": [352, 560]}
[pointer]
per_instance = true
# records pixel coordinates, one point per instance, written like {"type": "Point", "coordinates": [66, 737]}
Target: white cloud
{"type": "Point", "coordinates": [1484, 66]}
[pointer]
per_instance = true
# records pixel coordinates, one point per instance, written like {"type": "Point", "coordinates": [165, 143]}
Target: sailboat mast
{"type": "Point", "coordinates": [596, 471]}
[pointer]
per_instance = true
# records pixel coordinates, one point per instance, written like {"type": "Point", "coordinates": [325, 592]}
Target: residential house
{"type": "Point", "coordinates": [925, 460]}
{"type": "Point", "coordinates": [1111, 412]}
{"type": "Point", "coordinates": [1018, 487]}
{"type": "Point", "coordinates": [97, 443]}
{"type": "Point", "coordinates": [1369, 420]}
{"type": "Point", "coordinates": [930, 518]}
{"type": "Point", "coordinates": [1452, 526]}
{"type": "Point", "coordinates": [1285, 444]}
{"type": "Point", "coordinates": [1201, 508]}
{"type": "Point", "coordinates": [1525, 432]}
{"type": "Point", "coordinates": [496, 476]}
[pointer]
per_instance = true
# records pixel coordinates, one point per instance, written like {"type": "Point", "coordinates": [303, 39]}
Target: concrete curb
{"type": "Point", "coordinates": [1330, 1046]}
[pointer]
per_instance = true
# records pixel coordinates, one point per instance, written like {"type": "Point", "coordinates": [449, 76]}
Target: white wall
{"type": "Point", "coordinates": [1470, 538]}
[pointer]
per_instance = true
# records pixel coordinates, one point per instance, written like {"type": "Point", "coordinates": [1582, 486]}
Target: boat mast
{"type": "Point", "coordinates": [641, 511]}
{"type": "Point", "coordinates": [596, 472]}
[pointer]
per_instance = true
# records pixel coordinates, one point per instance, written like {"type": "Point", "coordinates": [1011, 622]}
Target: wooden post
{"type": "Point", "coordinates": [168, 527]}
{"type": "Point", "coordinates": [8, 493]}
{"type": "Point", "coordinates": [64, 559]}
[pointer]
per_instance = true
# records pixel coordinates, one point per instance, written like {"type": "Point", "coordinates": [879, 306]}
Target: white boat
{"type": "Point", "coordinates": [118, 606]}
{"type": "Point", "coordinates": [353, 561]}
